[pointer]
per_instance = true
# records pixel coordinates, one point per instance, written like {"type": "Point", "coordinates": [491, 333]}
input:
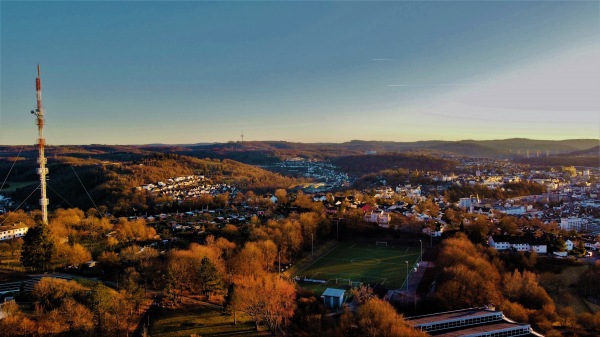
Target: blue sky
{"type": "Point", "coordinates": [189, 72]}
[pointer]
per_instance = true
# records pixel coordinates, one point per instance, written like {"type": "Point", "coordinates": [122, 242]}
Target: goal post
{"type": "Point", "coordinates": [381, 243]}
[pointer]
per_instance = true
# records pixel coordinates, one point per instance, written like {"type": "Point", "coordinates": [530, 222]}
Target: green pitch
{"type": "Point", "coordinates": [357, 262]}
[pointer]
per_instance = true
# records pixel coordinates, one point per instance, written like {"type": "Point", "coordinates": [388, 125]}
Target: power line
{"type": "Point", "coordinates": [11, 167]}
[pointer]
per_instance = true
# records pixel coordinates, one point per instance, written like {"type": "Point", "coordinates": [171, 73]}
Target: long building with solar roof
{"type": "Point", "coordinates": [474, 322]}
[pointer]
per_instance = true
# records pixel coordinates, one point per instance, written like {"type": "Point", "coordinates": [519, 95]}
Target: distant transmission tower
{"type": "Point", "coordinates": [42, 170]}
{"type": "Point", "coordinates": [242, 136]}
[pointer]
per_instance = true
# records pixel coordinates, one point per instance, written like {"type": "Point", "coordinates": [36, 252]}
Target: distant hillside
{"type": "Point", "coordinates": [552, 146]}
{"type": "Point", "coordinates": [267, 152]}
{"type": "Point", "coordinates": [588, 158]}
{"type": "Point", "coordinates": [112, 183]}
{"type": "Point", "coordinates": [594, 151]}
{"type": "Point", "coordinates": [360, 165]}
{"type": "Point", "coordinates": [467, 149]}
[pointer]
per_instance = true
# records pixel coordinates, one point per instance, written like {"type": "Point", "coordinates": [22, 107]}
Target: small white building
{"type": "Point", "coordinates": [333, 298]}
{"type": "Point", "coordinates": [569, 244]}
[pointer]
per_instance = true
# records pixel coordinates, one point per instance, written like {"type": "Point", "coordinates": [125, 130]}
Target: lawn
{"type": "Point", "coordinates": [359, 262]}
{"type": "Point", "coordinates": [200, 320]}
{"type": "Point", "coordinates": [570, 276]}
{"type": "Point", "coordinates": [12, 186]}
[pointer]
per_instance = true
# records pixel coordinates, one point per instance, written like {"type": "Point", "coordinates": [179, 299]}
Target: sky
{"type": "Point", "coordinates": [184, 72]}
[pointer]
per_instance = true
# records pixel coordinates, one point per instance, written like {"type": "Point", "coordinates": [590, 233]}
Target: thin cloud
{"type": "Point", "coordinates": [431, 85]}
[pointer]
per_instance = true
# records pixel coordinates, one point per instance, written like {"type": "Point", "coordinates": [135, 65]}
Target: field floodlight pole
{"type": "Point", "coordinates": [406, 275]}
{"type": "Point", "coordinates": [42, 170]}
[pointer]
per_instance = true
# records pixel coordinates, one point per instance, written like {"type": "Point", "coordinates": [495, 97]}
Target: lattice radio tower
{"type": "Point", "coordinates": [42, 170]}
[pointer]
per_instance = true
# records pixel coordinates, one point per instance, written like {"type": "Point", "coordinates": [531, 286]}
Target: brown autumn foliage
{"type": "Point", "coordinates": [274, 309]}
{"type": "Point", "coordinates": [77, 316]}
{"type": "Point", "coordinates": [15, 323]}
{"type": "Point", "coordinates": [255, 259]}
{"type": "Point", "coordinates": [184, 266]}
{"type": "Point", "coordinates": [467, 278]}
{"type": "Point", "coordinates": [135, 230]}
{"type": "Point", "coordinates": [376, 318]}
{"type": "Point", "coordinates": [524, 289]}
{"type": "Point", "coordinates": [71, 255]}
{"type": "Point", "coordinates": [52, 292]}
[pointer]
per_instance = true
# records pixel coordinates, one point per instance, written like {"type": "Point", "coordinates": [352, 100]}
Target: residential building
{"type": "Point", "coordinates": [572, 223]}
{"type": "Point", "coordinates": [14, 231]}
{"type": "Point", "coordinates": [525, 243]}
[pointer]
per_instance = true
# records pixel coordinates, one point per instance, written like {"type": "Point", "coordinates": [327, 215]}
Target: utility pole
{"type": "Point", "coordinates": [406, 275]}
{"type": "Point", "coordinates": [421, 255]}
{"type": "Point", "coordinates": [312, 245]}
{"type": "Point", "coordinates": [280, 262]}
{"type": "Point", "coordinates": [42, 170]}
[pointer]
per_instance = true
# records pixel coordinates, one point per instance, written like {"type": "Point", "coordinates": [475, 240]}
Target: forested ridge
{"type": "Point", "coordinates": [113, 183]}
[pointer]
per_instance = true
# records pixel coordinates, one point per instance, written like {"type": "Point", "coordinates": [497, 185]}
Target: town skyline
{"type": "Point", "coordinates": [188, 72]}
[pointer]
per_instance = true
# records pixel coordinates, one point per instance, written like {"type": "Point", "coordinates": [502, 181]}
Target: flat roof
{"type": "Point", "coordinates": [14, 226]}
{"type": "Point", "coordinates": [333, 292]}
{"type": "Point", "coordinates": [450, 315]}
{"type": "Point", "coordinates": [485, 328]}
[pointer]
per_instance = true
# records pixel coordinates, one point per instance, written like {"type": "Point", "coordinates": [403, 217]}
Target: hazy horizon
{"type": "Point", "coordinates": [341, 142]}
{"type": "Point", "coordinates": [138, 73]}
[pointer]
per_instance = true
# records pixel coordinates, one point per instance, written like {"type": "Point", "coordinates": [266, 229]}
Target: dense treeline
{"type": "Point", "coordinates": [394, 178]}
{"type": "Point", "coordinates": [359, 165]}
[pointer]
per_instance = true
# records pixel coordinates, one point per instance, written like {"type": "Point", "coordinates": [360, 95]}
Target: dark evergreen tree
{"type": "Point", "coordinates": [210, 280]}
{"type": "Point", "coordinates": [38, 248]}
{"type": "Point", "coordinates": [231, 305]}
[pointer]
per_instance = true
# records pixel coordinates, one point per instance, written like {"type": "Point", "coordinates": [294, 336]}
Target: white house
{"type": "Point", "coordinates": [591, 245]}
{"type": "Point", "coordinates": [382, 218]}
{"type": "Point", "coordinates": [518, 243]}
{"type": "Point", "coordinates": [14, 231]}
{"type": "Point", "coordinates": [569, 244]}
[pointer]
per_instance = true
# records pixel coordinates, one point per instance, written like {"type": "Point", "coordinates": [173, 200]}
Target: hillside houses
{"type": "Point", "coordinates": [186, 187]}
{"type": "Point", "coordinates": [326, 175]}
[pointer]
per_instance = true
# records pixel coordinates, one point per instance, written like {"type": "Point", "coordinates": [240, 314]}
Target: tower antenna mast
{"type": "Point", "coordinates": [42, 170]}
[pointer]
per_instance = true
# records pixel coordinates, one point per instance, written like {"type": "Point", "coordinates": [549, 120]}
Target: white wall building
{"type": "Point", "coordinates": [577, 224]}
{"type": "Point", "coordinates": [11, 232]}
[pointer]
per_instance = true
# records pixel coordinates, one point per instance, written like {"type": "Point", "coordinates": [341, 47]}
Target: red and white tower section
{"type": "Point", "coordinates": [42, 170]}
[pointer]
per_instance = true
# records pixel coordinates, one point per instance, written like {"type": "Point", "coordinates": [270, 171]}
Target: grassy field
{"type": "Point", "coordinates": [200, 320]}
{"type": "Point", "coordinates": [357, 262]}
{"type": "Point", "coordinates": [570, 277]}
{"type": "Point", "coordinates": [14, 185]}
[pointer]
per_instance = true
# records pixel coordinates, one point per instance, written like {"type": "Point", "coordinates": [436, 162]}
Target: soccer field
{"type": "Point", "coordinates": [358, 262]}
